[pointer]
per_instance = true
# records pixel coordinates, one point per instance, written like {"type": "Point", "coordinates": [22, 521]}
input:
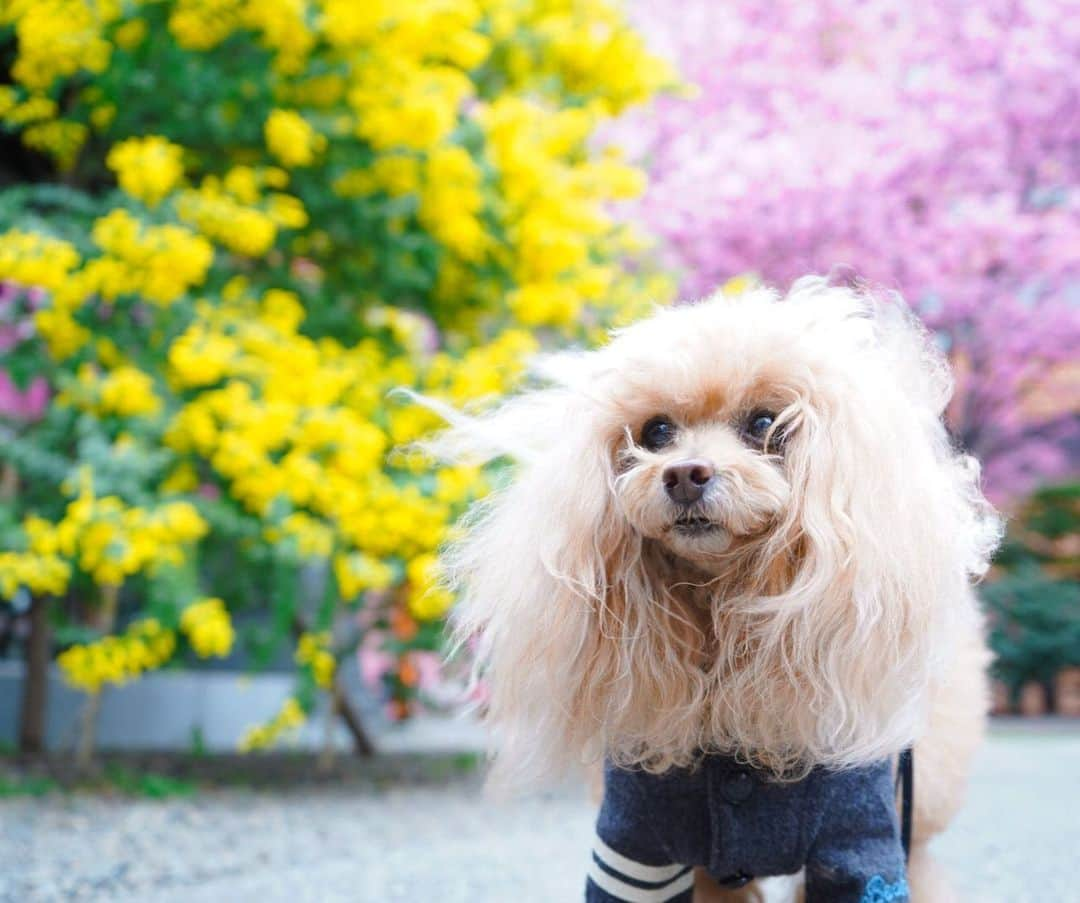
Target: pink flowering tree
{"type": "Point", "coordinates": [932, 148]}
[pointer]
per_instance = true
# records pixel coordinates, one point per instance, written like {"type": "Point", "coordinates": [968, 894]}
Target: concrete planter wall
{"type": "Point", "coordinates": [183, 711]}
{"type": "Point", "coordinates": [166, 710]}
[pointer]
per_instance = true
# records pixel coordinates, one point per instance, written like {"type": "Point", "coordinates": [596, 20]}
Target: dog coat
{"type": "Point", "coordinates": [738, 823]}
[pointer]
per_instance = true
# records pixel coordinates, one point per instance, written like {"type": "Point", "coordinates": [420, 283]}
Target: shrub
{"type": "Point", "coordinates": [317, 201]}
{"type": "Point", "coordinates": [1034, 601]}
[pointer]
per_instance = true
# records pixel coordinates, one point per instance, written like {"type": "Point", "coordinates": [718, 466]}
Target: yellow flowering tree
{"type": "Point", "coordinates": [233, 227]}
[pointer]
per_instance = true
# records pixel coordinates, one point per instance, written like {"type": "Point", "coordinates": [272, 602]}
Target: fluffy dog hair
{"type": "Point", "coordinates": [815, 603]}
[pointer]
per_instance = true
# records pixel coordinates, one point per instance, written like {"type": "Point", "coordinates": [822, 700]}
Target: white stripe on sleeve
{"type": "Point", "coordinates": [636, 870]}
{"type": "Point", "coordinates": [630, 894]}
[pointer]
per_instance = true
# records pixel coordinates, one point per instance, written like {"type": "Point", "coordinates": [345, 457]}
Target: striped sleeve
{"type": "Point", "coordinates": [615, 877]}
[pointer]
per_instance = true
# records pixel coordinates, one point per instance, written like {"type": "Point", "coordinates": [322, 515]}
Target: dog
{"type": "Point", "coordinates": [737, 530]}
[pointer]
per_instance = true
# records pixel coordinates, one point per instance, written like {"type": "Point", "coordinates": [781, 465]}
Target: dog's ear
{"type": "Point", "coordinates": [888, 527]}
{"type": "Point", "coordinates": [531, 571]}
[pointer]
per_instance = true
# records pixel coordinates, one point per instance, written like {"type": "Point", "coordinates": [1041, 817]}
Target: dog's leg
{"type": "Point", "coordinates": [928, 881]}
{"type": "Point", "coordinates": [708, 891]}
{"type": "Point", "coordinates": [943, 761]}
{"type": "Point", "coordinates": [955, 731]}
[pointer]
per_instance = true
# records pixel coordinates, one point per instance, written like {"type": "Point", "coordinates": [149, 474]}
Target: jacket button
{"type": "Point", "coordinates": [737, 788]}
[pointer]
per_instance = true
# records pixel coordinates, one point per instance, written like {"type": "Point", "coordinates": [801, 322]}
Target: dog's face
{"type": "Point", "coordinates": [704, 481]}
{"type": "Point", "coordinates": [739, 526]}
{"type": "Point", "coordinates": [712, 421]}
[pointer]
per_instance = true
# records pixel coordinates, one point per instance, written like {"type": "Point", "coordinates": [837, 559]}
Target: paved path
{"type": "Point", "coordinates": [1016, 842]}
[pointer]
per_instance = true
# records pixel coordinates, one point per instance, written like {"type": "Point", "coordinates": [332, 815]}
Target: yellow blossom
{"type": "Point", "coordinates": [402, 105]}
{"type": "Point", "coordinates": [147, 168]}
{"type": "Point", "coordinates": [42, 573]}
{"type": "Point", "coordinates": [183, 478]}
{"type": "Point", "coordinates": [57, 38]}
{"type": "Point", "coordinates": [31, 259]}
{"type": "Point", "coordinates": [313, 539]}
{"type": "Point", "coordinates": [283, 28]}
{"type": "Point", "coordinates": [200, 357]}
{"type": "Point", "coordinates": [544, 304]}
{"type": "Point", "coordinates": [110, 540]}
{"type": "Point", "coordinates": [313, 652]}
{"type": "Point", "coordinates": [208, 628]}
{"type": "Point", "coordinates": [130, 34]}
{"type": "Point", "coordinates": [246, 227]}
{"type": "Point", "coordinates": [60, 138]}
{"type": "Point", "coordinates": [427, 598]}
{"type": "Point", "coordinates": [357, 572]}
{"type": "Point", "coordinates": [451, 202]}
{"type": "Point", "coordinates": [144, 646]}
{"type": "Point", "coordinates": [289, 717]}
{"type": "Point", "coordinates": [128, 392]}
{"type": "Point", "coordinates": [203, 24]}
{"type": "Point", "coordinates": [457, 484]}
{"type": "Point", "coordinates": [35, 108]}
{"type": "Point", "coordinates": [291, 138]}
{"type": "Point", "coordinates": [158, 263]}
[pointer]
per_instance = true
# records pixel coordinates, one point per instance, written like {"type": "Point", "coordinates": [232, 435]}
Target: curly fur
{"type": "Point", "coordinates": [809, 627]}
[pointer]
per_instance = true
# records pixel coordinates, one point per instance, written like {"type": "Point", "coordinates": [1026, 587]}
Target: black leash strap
{"type": "Point", "coordinates": [905, 780]}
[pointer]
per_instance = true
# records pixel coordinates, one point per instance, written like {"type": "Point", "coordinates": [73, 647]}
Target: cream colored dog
{"type": "Point", "coordinates": [740, 527]}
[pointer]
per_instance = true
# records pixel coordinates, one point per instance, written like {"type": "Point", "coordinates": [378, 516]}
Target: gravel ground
{"type": "Point", "coordinates": [444, 842]}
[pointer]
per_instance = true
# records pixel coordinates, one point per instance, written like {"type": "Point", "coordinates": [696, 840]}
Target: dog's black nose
{"type": "Point", "coordinates": [685, 481]}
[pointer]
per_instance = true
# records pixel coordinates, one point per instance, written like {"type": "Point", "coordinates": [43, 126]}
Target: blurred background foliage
{"type": "Point", "coordinates": [229, 228]}
{"type": "Point", "coordinates": [1034, 596]}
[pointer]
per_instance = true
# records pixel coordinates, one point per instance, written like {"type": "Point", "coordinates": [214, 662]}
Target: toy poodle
{"type": "Point", "coordinates": [734, 563]}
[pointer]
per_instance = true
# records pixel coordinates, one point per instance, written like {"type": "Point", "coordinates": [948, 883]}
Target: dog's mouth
{"type": "Point", "coordinates": [694, 525]}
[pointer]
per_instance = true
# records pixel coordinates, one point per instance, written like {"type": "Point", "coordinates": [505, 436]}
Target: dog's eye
{"type": "Point", "coordinates": [657, 433]}
{"type": "Point", "coordinates": [758, 424]}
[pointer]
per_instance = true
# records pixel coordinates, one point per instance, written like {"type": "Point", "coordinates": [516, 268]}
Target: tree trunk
{"type": "Point", "coordinates": [1050, 689]}
{"type": "Point", "coordinates": [84, 750]}
{"type": "Point", "coordinates": [327, 754]}
{"type": "Point", "coordinates": [35, 682]}
{"type": "Point", "coordinates": [85, 744]}
{"type": "Point", "coordinates": [339, 704]}
{"type": "Point", "coordinates": [362, 744]}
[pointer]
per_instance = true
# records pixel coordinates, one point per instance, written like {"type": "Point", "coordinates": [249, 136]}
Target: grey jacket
{"type": "Point", "coordinates": [841, 826]}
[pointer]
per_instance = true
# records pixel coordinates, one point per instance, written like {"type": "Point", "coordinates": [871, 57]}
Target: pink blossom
{"type": "Point", "coordinates": [374, 664]}
{"type": "Point", "coordinates": [25, 405]}
{"type": "Point", "coordinates": [932, 147]}
{"type": "Point", "coordinates": [209, 491]}
{"type": "Point", "coordinates": [428, 668]}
